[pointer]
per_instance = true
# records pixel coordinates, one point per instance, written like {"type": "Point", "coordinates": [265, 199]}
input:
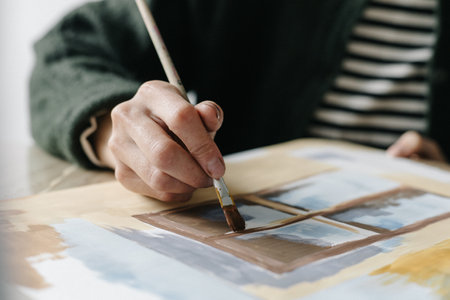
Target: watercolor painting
{"type": "Point", "coordinates": [280, 236]}
{"type": "Point", "coordinates": [206, 223]}
{"type": "Point", "coordinates": [315, 230]}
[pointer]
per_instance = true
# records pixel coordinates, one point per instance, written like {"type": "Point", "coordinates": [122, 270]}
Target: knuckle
{"type": "Point", "coordinates": [151, 87]}
{"type": "Point", "coordinates": [122, 175]}
{"type": "Point", "coordinates": [119, 112]}
{"type": "Point", "coordinates": [113, 144]}
{"type": "Point", "coordinates": [183, 115]}
{"type": "Point", "coordinates": [128, 111]}
{"type": "Point", "coordinates": [158, 180]}
{"type": "Point", "coordinates": [164, 153]}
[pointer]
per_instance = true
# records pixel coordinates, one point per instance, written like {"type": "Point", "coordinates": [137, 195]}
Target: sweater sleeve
{"type": "Point", "coordinates": [93, 59]}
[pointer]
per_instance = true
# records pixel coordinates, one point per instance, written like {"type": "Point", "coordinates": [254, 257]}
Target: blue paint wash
{"type": "Point", "coordinates": [308, 231]}
{"type": "Point", "coordinates": [329, 189]}
{"type": "Point", "coordinates": [237, 271]}
{"type": "Point", "coordinates": [398, 211]}
{"type": "Point", "coordinates": [120, 260]}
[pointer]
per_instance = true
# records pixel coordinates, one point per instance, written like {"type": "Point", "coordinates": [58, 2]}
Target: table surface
{"type": "Point", "coordinates": [28, 170]}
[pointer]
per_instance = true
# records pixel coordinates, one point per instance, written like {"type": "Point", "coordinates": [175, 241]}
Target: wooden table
{"type": "Point", "coordinates": [28, 170]}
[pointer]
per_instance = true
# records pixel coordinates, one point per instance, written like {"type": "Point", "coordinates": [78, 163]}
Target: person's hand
{"type": "Point", "coordinates": [412, 145]}
{"type": "Point", "coordinates": [160, 145]}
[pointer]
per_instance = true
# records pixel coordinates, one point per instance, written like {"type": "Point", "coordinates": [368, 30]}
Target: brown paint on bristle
{"type": "Point", "coordinates": [234, 218]}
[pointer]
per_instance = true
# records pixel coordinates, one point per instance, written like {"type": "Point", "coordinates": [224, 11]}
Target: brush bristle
{"type": "Point", "coordinates": [234, 218]}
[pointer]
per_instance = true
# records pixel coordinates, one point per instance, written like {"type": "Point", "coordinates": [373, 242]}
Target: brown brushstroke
{"type": "Point", "coordinates": [348, 246]}
{"type": "Point", "coordinates": [279, 267]}
{"type": "Point", "coordinates": [337, 224]}
{"type": "Point", "coordinates": [275, 205]}
{"type": "Point", "coordinates": [193, 217]}
{"type": "Point", "coordinates": [234, 218]}
{"type": "Point", "coordinates": [215, 233]}
{"type": "Point", "coordinates": [269, 247]}
{"type": "Point", "coordinates": [327, 211]}
{"type": "Point", "coordinates": [288, 209]}
{"type": "Point", "coordinates": [367, 227]}
{"type": "Point", "coordinates": [378, 203]}
{"type": "Point", "coordinates": [279, 262]}
{"type": "Point", "coordinates": [22, 245]}
{"type": "Point", "coordinates": [191, 214]}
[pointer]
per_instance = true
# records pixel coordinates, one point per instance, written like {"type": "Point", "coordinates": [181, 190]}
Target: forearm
{"type": "Point", "coordinates": [91, 61]}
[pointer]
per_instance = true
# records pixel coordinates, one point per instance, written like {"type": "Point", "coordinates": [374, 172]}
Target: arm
{"type": "Point", "coordinates": [96, 59]}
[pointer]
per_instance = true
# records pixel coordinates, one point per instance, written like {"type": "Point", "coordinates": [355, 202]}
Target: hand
{"type": "Point", "coordinates": [412, 145]}
{"type": "Point", "coordinates": [160, 145]}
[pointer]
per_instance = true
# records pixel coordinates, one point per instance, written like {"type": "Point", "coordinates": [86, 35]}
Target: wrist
{"type": "Point", "coordinates": [100, 141]}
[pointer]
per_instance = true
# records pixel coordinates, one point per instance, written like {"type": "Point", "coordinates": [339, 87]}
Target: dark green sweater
{"type": "Point", "coordinates": [267, 63]}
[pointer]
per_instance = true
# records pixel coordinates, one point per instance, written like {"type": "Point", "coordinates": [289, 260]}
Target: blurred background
{"type": "Point", "coordinates": [22, 22]}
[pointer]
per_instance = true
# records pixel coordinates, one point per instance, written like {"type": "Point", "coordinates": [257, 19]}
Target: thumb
{"type": "Point", "coordinates": [211, 115]}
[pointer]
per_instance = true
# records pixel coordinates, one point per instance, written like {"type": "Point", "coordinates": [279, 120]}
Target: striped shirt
{"type": "Point", "coordinates": [382, 87]}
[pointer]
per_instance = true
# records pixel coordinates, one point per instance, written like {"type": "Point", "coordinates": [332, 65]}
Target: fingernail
{"type": "Point", "coordinates": [216, 168]}
{"type": "Point", "coordinates": [218, 113]}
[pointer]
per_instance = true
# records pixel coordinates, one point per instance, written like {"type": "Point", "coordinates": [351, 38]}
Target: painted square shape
{"type": "Point", "coordinates": [207, 220]}
{"type": "Point", "coordinates": [396, 210]}
{"type": "Point", "coordinates": [285, 248]}
{"type": "Point", "coordinates": [329, 189]}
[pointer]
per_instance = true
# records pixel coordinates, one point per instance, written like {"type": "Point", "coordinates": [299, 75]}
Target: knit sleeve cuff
{"type": "Point", "coordinates": [82, 123]}
{"type": "Point", "coordinates": [86, 142]}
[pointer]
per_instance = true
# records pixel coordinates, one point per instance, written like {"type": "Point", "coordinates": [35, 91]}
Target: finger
{"type": "Point", "coordinates": [408, 144]}
{"type": "Point", "coordinates": [131, 181]}
{"type": "Point", "coordinates": [132, 157]}
{"type": "Point", "coordinates": [162, 152]}
{"type": "Point", "coordinates": [211, 115]}
{"type": "Point", "coordinates": [412, 144]}
{"type": "Point", "coordinates": [184, 121]}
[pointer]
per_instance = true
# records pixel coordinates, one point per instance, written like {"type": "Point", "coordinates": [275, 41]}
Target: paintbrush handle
{"type": "Point", "coordinates": [160, 46]}
{"type": "Point", "coordinates": [234, 219]}
{"type": "Point", "coordinates": [172, 75]}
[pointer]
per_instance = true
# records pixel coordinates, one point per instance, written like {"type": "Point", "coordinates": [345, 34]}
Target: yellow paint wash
{"type": "Point", "coordinates": [428, 267]}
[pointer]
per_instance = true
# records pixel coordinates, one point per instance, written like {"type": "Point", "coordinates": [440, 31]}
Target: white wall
{"type": "Point", "coordinates": [21, 23]}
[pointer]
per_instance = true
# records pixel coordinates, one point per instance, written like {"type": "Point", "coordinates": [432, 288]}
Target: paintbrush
{"type": "Point", "coordinates": [232, 215]}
